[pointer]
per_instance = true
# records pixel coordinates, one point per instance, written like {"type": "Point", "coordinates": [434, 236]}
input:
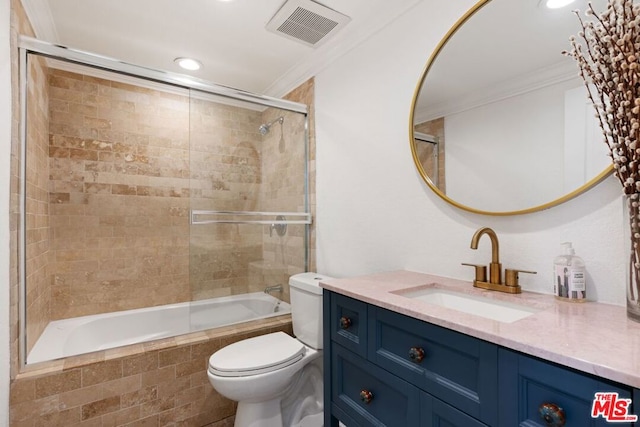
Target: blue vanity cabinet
{"type": "Point", "coordinates": [382, 368]}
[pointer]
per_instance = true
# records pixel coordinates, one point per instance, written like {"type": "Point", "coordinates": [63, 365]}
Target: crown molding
{"type": "Point", "coordinates": [41, 18]}
{"type": "Point", "coordinates": [535, 80]}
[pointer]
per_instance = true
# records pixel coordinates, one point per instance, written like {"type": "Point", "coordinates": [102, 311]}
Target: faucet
{"type": "Point", "coordinates": [511, 284]}
{"type": "Point", "coordinates": [495, 268]}
{"type": "Point", "coordinates": [274, 288]}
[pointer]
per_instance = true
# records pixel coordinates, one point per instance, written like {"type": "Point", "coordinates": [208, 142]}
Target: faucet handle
{"type": "Point", "coordinates": [511, 276]}
{"type": "Point", "coordinates": [481, 271]}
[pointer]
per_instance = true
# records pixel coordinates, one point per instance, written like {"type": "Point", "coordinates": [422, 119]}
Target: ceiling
{"type": "Point", "coordinates": [228, 37]}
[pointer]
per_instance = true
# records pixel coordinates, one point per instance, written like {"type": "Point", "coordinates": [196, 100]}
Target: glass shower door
{"type": "Point", "coordinates": [249, 210]}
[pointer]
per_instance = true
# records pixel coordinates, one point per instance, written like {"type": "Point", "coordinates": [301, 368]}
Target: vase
{"type": "Point", "coordinates": [631, 229]}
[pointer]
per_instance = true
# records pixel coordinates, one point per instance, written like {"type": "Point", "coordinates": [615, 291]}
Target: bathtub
{"type": "Point", "coordinates": [79, 335]}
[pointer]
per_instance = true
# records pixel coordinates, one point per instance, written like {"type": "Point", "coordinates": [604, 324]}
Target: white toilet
{"type": "Point", "coordinates": [277, 379]}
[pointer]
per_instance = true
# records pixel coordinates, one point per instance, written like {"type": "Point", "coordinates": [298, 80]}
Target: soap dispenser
{"type": "Point", "coordinates": [569, 276]}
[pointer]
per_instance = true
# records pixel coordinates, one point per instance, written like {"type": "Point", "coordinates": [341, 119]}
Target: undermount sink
{"type": "Point", "coordinates": [502, 311]}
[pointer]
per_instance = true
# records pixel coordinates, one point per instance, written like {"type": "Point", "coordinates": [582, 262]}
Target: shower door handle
{"type": "Point", "coordinates": [281, 229]}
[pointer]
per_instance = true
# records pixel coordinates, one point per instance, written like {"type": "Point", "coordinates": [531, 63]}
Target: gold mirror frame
{"type": "Point", "coordinates": [589, 184]}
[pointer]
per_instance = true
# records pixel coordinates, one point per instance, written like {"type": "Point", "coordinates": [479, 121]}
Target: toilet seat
{"type": "Point", "coordinates": [258, 355]}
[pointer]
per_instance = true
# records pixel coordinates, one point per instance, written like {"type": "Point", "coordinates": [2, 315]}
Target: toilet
{"type": "Point", "coordinates": [277, 379]}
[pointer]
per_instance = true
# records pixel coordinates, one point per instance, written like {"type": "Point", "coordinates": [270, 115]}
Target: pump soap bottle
{"type": "Point", "coordinates": [569, 276]}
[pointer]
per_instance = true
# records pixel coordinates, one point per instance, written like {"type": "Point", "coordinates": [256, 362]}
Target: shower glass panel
{"type": "Point", "coordinates": [138, 192]}
{"type": "Point", "coordinates": [249, 206]}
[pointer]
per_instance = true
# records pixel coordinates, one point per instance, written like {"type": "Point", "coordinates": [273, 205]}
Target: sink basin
{"type": "Point", "coordinates": [501, 311]}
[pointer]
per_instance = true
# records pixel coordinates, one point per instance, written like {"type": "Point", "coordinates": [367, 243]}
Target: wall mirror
{"type": "Point", "coordinates": [501, 123]}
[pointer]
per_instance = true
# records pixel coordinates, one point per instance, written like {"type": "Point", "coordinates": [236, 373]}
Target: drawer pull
{"type": "Point", "coordinates": [552, 414]}
{"type": "Point", "coordinates": [345, 322]}
{"type": "Point", "coordinates": [416, 354]}
{"type": "Point", "coordinates": [366, 396]}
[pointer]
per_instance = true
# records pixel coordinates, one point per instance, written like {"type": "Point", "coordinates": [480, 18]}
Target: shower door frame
{"type": "Point", "coordinates": [29, 45]}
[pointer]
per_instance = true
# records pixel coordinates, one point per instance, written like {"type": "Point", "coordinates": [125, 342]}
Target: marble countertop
{"type": "Point", "coordinates": [591, 337]}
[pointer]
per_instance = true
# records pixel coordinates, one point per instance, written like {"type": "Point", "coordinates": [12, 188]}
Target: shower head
{"type": "Point", "coordinates": [265, 127]}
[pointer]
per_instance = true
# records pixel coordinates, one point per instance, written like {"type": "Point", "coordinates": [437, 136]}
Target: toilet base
{"type": "Point", "coordinates": [263, 414]}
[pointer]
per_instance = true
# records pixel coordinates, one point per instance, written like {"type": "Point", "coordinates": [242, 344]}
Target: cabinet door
{"type": "Point", "coordinates": [348, 323]}
{"type": "Point", "coordinates": [369, 395]}
{"type": "Point", "coordinates": [526, 383]}
{"type": "Point", "coordinates": [436, 413]}
{"type": "Point", "coordinates": [455, 368]}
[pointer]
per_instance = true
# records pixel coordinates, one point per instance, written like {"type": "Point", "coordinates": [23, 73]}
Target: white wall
{"type": "Point", "coordinates": [5, 143]}
{"type": "Point", "coordinates": [527, 126]}
{"type": "Point", "coordinates": [375, 214]}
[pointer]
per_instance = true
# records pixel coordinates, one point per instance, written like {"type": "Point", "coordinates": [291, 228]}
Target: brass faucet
{"type": "Point", "coordinates": [495, 268]}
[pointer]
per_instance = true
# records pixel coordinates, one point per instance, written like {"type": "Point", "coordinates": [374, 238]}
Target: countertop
{"type": "Point", "coordinates": [591, 337]}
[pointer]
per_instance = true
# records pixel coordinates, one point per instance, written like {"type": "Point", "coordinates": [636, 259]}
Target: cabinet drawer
{"type": "Point", "coordinates": [393, 402]}
{"type": "Point", "coordinates": [436, 413]}
{"type": "Point", "coordinates": [349, 323]}
{"type": "Point", "coordinates": [531, 382]}
{"type": "Point", "coordinates": [456, 368]}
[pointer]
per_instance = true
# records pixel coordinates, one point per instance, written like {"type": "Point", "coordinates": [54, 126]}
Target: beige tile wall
{"type": "Point", "coordinates": [425, 151]}
{"type": "Point", "coordinates": [37, 203]}
{"type": "Point", "coordinates": [119, 195]}
{"type": "Point", "coordinates": [305, 95]}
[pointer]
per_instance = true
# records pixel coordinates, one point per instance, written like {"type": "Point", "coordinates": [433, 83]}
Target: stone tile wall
{"type": "Point", "coordinates": [119, 195]}
{"type": "Point", "coordinates": [425, 151]}
{"type": "Point", "coordinates": [37, 203]}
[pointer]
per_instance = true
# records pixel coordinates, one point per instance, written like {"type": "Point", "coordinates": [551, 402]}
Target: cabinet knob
{"type": "Point", "coordinates": [366, 396]}
{"type": "Point", "coordinates": [416, 354]}
{"type": "Point", "coordinates": [552, 414]}
{"type": "Point", "coordinates": [345, 322]}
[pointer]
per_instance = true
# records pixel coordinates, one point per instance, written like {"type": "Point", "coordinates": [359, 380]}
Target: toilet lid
{"type": "Point", "coordinates": [256, 355]}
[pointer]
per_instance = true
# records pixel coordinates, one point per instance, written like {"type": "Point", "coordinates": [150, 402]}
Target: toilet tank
{"type": "Point", "coordinates": [306, 307]}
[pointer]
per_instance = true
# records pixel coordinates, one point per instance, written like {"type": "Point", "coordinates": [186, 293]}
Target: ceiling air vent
{"type": "Point", "coordinates": [307, 22]}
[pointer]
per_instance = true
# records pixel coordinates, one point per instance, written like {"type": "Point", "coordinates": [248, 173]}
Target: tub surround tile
{"type": "Point", "coordinates": [82, 396]}
{"type": "Point", "coordinates": [96, 373]}
{"type": "Point", "coordinates": [140, 363]}
{"type": "Point", "coordinates": [122, 417]}
{"type": "Point", "coordinates": [101, 407]}
{"type": "Point", "coordinates": [58, 383]}
{"type": "Point", "coordinates": [577, 335]}
{"type": "Point", "coordinates": [174, 356]}
{"type": "Point", "coordinates": [166, 385]}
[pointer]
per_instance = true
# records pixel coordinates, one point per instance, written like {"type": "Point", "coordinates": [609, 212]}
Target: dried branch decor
{"type": "Point", "coordinates": [609, 67]}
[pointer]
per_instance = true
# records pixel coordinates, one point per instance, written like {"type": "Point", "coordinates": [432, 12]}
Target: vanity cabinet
{"type": "Point", "coordinates": [383, 368]}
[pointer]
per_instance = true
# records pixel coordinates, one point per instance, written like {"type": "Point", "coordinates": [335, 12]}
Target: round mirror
{"type": "Point", "coordinates": [501, 123]}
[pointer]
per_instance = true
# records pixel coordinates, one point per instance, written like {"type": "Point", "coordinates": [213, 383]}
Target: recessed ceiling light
{"type": "Point", "coordinates": [557, 4]}
{"type": "Point", "coordinates": [188, 63]}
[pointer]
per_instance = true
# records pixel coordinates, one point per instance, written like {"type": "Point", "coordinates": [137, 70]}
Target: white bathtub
{"type": "Point", "coordinates": [69, 337]}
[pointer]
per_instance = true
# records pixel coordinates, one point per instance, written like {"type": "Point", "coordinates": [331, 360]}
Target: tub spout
{"type": "Point", "coordinates": [275, 288]}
